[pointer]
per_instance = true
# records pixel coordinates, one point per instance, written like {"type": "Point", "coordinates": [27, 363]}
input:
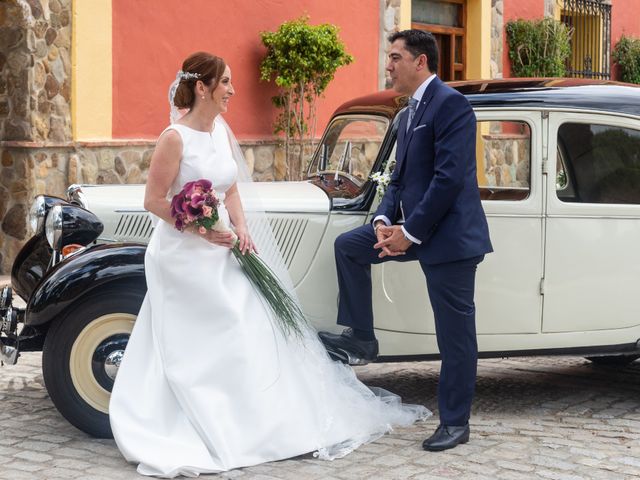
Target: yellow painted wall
{"type": "Point", "coordinates": [478, 39]}
{"type": "Point", "coordinates": [91, 105]}
{"type": "Point", "coordinates": [405, 15]}
{"type": "Point", "coordinates": [557, 9]}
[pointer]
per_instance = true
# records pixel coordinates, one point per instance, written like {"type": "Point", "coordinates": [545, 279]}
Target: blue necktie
{"type": "Point", "coordinates": [413, 104]}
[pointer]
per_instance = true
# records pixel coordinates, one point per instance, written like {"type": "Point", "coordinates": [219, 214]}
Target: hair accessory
{"type": "Point", "coordinates": [187, 75]}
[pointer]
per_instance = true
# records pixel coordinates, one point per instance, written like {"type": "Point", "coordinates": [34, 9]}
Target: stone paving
{"type": "Point", "coordinates": [542, 418]}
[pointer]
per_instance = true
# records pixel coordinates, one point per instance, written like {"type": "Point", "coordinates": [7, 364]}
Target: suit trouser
{"type": "Point", "coordinates": [451, 290]}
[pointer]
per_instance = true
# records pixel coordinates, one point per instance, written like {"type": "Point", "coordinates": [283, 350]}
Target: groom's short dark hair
{"type": "Point", "coordinates": [419, 42]}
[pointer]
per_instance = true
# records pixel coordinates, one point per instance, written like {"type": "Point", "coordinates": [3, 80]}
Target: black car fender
{"type": "Point", "coordinates": [81, 275]}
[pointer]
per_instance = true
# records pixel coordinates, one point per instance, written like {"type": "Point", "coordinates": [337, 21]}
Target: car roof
{"type": "Point", "coordinates": [538, 93]}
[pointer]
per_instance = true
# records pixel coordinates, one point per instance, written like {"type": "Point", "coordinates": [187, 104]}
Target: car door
{"type": "Point", "coordinates": [592, 262]}
{"type": "Point", "coordinates": [509, 153]}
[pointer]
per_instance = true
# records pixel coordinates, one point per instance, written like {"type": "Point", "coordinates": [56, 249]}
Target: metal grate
{"type": "Point", "coordinates": [134, 227]}
{"type": "Point", "coordinates": [137, 227]}
{"type": "Point", "coordinates": [590, 22]}
{"type": "Point", "coordinates": [288, 233]}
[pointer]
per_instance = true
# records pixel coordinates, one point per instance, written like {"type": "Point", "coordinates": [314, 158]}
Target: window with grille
{"type": "Point", "coordinates": [590, 22]}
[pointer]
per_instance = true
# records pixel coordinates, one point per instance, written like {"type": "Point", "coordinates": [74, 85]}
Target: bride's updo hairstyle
{"type": "Point", "coordinates": [208, 68]}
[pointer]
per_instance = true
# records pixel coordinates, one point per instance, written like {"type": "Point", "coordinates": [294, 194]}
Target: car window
{"type": "Point", "coordinates": [503, 154]}
{"type": "Point", "coordinates": [601, 164]}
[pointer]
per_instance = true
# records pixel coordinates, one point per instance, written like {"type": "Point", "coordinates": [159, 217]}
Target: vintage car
{"type": "Point", "coordinates": [559, 173]}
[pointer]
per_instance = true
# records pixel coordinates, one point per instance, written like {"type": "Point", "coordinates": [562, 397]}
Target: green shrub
{"type": "Point", "coordinates": [538, 48]}
{"type": "Point", "coordinates": [301, 59]}
{"type": "Point", "coordinates": [627, 55]}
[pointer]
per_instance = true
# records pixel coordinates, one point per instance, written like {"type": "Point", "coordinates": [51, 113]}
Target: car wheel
{"type": "Point", "coordinates": [81, 355]}
{"type": "Point", "coordinates": [613, 360]}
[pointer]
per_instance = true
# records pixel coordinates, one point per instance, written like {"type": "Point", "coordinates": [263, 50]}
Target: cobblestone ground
{"type": "Point", "coordinates": [550, 418]}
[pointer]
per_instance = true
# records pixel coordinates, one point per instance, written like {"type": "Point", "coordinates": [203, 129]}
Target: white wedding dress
{"type": "Point", "coordinates": [207, 382]}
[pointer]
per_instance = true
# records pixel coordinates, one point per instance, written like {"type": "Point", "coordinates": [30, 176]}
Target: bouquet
{"type": "Point", "coordinates": [196, 207]}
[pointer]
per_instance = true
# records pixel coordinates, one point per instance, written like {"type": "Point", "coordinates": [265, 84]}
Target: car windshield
{"type": "Point", "coordinates": [350, 147]}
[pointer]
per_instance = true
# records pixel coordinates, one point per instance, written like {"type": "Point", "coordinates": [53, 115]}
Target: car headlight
{"type": "Point", "coordinates": [70, 224]}
{"type": "Point", "coordinates": [53, 227]}
{"type": "Point", "coordinates": [37, 213]}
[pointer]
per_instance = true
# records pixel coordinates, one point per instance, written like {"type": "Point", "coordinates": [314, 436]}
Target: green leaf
{"type": "Point", "coordinates": [285, 309]}
{"type": "Point", "coordinates": [627, 55]}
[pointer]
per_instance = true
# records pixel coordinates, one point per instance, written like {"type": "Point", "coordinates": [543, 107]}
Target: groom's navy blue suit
{"type": "Point", "coordinates": [434, 190]}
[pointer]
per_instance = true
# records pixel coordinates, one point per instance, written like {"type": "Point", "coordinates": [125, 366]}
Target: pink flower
{"type": "Point", "coordinates": [202, 230]}
{"type": "Point", "coordinates": [207, 211]}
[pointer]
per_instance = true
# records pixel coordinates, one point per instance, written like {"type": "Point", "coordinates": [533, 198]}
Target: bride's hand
{"type": "Point", "coordinates": [246, 244]}
{"type": "Point", "coordinates": [224, 239]}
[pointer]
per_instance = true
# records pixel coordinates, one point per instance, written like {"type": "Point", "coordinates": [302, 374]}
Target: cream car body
{"type": "Point", "coordinates": [563, 275]}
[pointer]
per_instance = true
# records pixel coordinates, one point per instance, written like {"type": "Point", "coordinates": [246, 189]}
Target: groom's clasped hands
{"type": "Point", "coordinates": [391, 241]}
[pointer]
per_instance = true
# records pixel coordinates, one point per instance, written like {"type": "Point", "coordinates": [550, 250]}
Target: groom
{"type": "Point", "coordinates": [431, 212]}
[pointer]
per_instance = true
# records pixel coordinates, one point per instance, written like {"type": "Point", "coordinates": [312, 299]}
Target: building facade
{"type": "Point", "coordinates": [83, 83]}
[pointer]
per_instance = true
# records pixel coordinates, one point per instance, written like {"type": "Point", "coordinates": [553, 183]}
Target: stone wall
{"type": "Point", "coordinates": [507, 160]}
{"type": "Point", "coordinates": [389, 23]}
{"type": "Point", "coordinates": [35, 70]}
{"type": "Point", "coordinates": [497, 38]}
{"type": "Point", "coordinates": [35, 93]}
{"type": "Point", "coordinates": [14, 72]}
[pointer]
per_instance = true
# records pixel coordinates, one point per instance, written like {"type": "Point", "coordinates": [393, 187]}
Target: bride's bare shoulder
{"type": "Point", "coordinates": [169, 143]}
{"type": "Point", "coordinates": [170, 136]}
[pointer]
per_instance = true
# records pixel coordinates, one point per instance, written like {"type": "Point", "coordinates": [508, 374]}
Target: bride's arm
{"type": "Point", "coordinates": [165, 163]}
{"type": "Point", "coordinates": [236, 215]}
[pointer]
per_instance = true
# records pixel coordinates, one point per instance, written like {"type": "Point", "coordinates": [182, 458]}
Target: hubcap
{"type": "Point", "coordinates": [112, 363]}
{"type": "Point", "coordinates": [96, 355]}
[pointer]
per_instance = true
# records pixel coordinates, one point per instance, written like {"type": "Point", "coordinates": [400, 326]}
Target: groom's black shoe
{"type": "Point", "coordinates": [347, 348]}
{"type": "Point", "coordinates": [446, 437]}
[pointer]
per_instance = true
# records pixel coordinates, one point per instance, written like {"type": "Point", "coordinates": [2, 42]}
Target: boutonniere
{"type": "Point", "coordinates": [383, 178]}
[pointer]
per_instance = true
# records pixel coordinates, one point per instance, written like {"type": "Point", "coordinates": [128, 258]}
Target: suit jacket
{"type": "Point", "coordinates": [434, 182]}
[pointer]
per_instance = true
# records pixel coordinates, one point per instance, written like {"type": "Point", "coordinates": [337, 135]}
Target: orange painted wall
{"type": "Point", "coordinates": [151, 38]}
{"type": "Point", "coordinates": [625, 15]}
{"type": "Point", "coordinates": [514, 10]}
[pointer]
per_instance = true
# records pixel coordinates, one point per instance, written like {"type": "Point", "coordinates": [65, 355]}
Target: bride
{"type": "Point", "coordinates": [208, 383]}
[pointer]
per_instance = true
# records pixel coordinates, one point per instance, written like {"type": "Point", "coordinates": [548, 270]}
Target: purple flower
{"type": "Point", "coordinates": [197, 187]}
{"type": "Point", "coordinates": [187, 190]}
{"type": "Point", "coordinates": [176, 205]}
{"type": "Point", "coordinates": [204, 184]}
{"type": "Point", "coordinates": [196, 200]}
